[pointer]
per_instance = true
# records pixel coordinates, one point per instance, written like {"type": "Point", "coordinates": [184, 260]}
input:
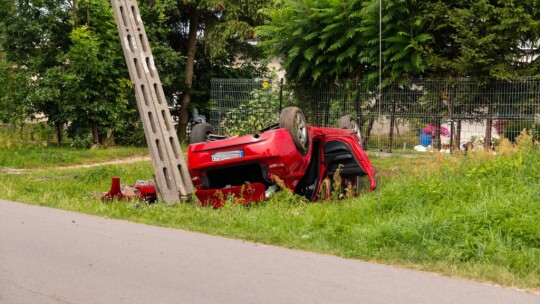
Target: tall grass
{"type": "Point", "coordinates": [473, 216]}
{"type": "Point", "coordinates": [26, 134]}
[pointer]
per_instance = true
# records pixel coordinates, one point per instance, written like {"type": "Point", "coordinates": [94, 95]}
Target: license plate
{"type": "Point", "coordinates": [219, 156]}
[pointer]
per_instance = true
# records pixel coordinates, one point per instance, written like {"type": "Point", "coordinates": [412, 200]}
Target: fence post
{"type": "Point", "coordinates": [451, 107]}
{"type": "Point", "coordinates": [220, 104]}
{"type": "Point", "coordinates": [381, 121]}
{"type": "Point", "coordinates": [392, 124]}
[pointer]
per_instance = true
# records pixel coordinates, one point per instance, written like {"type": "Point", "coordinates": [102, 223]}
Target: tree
{"type": "Point", "coordinates": [14, 106]}
{"type": "Point", "coordinates": [487, 40]}
{"type": "Point", "coordinates": [75, 74]}
{"type": "Point", "coordinates": [483, 39]}
{"type": "Point", "coordinates": [33, 40]}
{"type": "Point", "coordinates": [95, 72]}
{"type": "Point", "coordinates": [36, 33]}
{"type": "Point", "coordinates": [75, 71]}
{"type": "Point", "coordinates": [321, 41]}
{"type": "Point", "coordinates": [85, 85]}
{"type": "Point", "coordinates": [221, 30]}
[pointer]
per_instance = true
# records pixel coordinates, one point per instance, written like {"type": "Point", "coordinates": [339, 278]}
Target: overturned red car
{"type": "Point", "coordinates": [305, 158]}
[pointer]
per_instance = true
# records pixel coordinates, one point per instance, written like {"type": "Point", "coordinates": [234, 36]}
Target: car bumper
{"type": "Point", "coordinates": [234, 195]}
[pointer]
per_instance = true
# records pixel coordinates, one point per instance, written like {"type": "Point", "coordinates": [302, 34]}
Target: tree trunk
{"type": "Point", "coordinates": [74, 12]}
{"type": "Point", "coordinates": [95, 132]}
{"type": "Point", "coordinates": [358, 110]}
{"type": "Point", "coordinates": [437, 140]}
{"type": "Point", "coordinates": [371, 122]}
{"type": "Point", "coordinates": [21, 131]}
{"type": "Point", "coordinates": [59, 132]}
{"type": "Point", "coordinates": [458, 134]}
{"type": "Point", "coordinates": [188, 72]}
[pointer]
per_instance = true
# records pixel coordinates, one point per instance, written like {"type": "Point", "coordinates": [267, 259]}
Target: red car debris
{"type": "Point", "coordinates": [305, 158]}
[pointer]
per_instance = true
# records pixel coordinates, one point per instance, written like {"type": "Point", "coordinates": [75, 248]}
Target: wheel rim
{"type": "Point", "coordinates": [300, 123]}
{"type": "Point", "coordinates": [356, 130]}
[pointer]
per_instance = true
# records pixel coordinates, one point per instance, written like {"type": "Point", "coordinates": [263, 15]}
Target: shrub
{"type": "Point", "coordinates": [512, 128]}
{"type": "Point", "coordinates": [261, 110]}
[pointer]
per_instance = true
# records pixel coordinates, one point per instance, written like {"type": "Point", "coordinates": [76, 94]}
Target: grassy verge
{"type": "Point", "coordinates": [474, 217]}
{"type": "Point", "coordinates": [32, 157]}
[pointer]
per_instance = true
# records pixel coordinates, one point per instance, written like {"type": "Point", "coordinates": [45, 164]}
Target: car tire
{"type": "Point", "coordinates": [200, 132]}
{"type": "Point", "coordinates": [294, 121]}
{"type": "Point", "coordinates": [349, 123]}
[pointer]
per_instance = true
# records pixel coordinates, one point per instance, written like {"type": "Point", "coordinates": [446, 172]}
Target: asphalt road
{"type": "Point", "coordinates": [54, 256]}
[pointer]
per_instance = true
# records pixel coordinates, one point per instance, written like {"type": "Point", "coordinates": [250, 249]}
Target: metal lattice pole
{"type": "Point", "coordinates": [172, 176]}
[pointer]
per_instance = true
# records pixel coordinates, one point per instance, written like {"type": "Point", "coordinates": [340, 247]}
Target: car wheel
{"type": "Point", "coordinates": [200, 132]}
{"type": "Point", "coordinates": [294, 121]}
{"type": "Point", "coordinates": [347, 122]}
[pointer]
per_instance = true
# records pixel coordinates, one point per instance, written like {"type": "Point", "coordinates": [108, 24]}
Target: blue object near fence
{"type": "Point", "coordinates": [424, 139]}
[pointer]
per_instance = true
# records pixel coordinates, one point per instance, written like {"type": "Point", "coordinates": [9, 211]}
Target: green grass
{"type": "Point", "coordinates": [31, 157]}
{"type": "Point", "coordinates": [474, 217]}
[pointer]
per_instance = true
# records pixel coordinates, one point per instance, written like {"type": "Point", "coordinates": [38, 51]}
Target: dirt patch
{"type": "Point", "coordinates": [128, 160]}
{"type": "Point", "coordinates": [14, 171]}
{"type": "Point", "coordinates": [401, 155]}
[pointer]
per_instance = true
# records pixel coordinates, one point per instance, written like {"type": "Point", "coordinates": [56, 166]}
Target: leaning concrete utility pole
{"type": "Point", "coordinates": [172, 176]}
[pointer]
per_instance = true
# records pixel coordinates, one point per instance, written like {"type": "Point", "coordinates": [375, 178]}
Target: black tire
{"type": "Point", "coordinates": [200, 132]}
{"type": "Point", "coordinates": [347, 122]}
{"type": "Point", "coordinates": [294, 121]}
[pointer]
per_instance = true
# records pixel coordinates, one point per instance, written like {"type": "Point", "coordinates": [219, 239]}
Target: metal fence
{"type": "Point", "coordinates": [436, 113]}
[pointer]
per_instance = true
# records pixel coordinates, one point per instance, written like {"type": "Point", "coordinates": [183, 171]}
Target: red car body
{"type": "Point", "coordinates": [245, 168]}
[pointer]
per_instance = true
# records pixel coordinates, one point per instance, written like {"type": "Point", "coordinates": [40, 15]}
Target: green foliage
{"type": "Point", "coordinates": [69, 65]}
{"type": "Point", "coordinates": [81, 141]}
{"type": "Point", "coordinates": [96, 73]}
{"type": "Point", "coordinates": [14, 77]}
{"type": "Point", "coordinates": [229, 26]}
{"type": "Point", "coordinates": [63, 59]}
{"type": "Point", "coordinates": [486, 39]}
{"type": "Point", "coordinates": [221, 32]}
{"type": "Point", "coordinates": [130, 134]}
{"type": "Point", "coordinates": [260, 111]}
{"type": "Point", "coordinates": [38, 134]}
{"type": "Point", "coordinates": [35, 32]}
{"type": "Point", "coordinates": [14, 104]}
{"type": "Point", "coordinates": [325, 40]}
{"type": "Point", "coordinates": [513, 128]}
